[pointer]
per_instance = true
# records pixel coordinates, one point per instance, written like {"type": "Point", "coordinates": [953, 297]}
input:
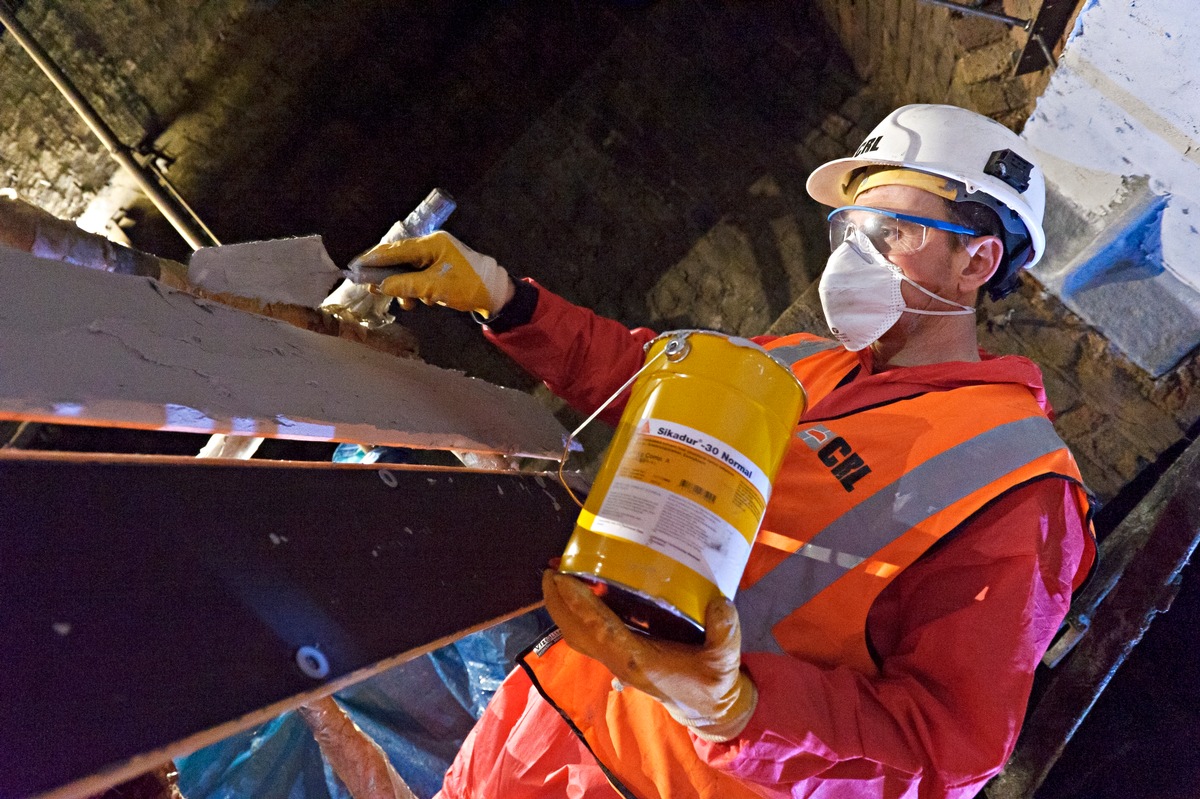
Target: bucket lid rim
{"type": "Point", "coordinates": [740, 341]}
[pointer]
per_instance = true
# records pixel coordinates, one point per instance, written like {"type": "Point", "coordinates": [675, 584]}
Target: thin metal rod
{"type": "Point", "coordinates": [1037, 37]}
{"type": "Point", "coordinates": [166, 183]}
{"type": "Point", "coordinates": [1016, 22]}
{"type": "Point", "coordinates": [186, 225]}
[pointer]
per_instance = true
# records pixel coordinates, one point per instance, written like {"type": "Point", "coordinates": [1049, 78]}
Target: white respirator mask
{"type": "Point", "coordinates": [860, 293]}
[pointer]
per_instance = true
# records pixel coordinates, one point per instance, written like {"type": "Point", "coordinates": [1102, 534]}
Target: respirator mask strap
{"type": "Point", "coordinates": [965, 309]}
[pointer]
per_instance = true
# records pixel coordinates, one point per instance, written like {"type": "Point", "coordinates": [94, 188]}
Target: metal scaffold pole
{"type": "Point", "coordinates": [165, 199]}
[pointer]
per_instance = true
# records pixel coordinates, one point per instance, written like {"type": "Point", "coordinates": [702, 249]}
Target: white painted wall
{"type": "Point", "coordinates": [1121, 116]}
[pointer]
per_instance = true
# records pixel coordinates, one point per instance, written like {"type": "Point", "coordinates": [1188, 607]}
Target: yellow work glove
{"type": "Point", "coordinates": [702, 687]}
{"type": "Point", "coordinates": [445, 272]}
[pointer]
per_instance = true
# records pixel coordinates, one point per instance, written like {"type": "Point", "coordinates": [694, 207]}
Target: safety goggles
{"type": "Point", "coordinates": [892, 233]}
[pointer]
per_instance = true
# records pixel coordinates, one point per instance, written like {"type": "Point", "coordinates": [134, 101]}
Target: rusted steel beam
{"type": "Point", "coordinates": [155, 605]}
{"type": "Point", "coordinates": [28, 228]}
{"type": "Point", "coordinates": [1168, 521]}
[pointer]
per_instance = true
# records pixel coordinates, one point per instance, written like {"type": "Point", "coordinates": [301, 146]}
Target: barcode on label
{"type": "Point", "coordinates": [699, 491]}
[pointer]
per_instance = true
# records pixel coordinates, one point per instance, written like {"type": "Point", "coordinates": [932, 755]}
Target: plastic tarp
{"type": "Point", "coordinates": [418, 712]}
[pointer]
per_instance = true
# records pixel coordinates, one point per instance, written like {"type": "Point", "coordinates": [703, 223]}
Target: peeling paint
{"type": "Point", "coordinates": [243, 426]}
{"type": "Point", "coordinates": [181, 417]}
{"type": "Point", "coordinates": [306, 430]}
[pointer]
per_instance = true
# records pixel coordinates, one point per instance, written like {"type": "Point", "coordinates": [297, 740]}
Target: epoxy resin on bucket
{"type": "Point", "coordinates": [679, 498]}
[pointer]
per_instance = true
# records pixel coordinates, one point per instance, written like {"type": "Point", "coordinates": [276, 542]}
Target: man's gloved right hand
{"type": "Point", "coordinates": [446, 272]}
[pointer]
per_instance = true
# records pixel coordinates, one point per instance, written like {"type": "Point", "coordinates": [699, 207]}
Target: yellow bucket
{"type": "Point", "coordinates": [668, 524]}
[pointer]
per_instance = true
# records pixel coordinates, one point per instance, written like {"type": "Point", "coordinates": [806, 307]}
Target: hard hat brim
{"type": "Point", "coordinates": [828, 183]}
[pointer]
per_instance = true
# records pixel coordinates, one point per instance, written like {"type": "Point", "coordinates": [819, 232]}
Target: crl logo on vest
{"type": "Point", "coordinates": [833, 451]}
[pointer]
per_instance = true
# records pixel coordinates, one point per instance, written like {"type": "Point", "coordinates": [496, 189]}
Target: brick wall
{"type": "Point", "coordinates": [914, 52]}
{"type": "Point", "coordinates": [135, 61]}
{"type": "Point", "coordinates": [663, 186]}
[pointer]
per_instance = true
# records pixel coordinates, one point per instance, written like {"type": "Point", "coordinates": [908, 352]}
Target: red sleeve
{"type": "Point", "coordinates": [959, 634]}
{"type": "Point", "coordinates": [580, 356]}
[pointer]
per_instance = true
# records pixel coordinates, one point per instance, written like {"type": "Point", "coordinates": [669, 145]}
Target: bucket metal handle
{"type": "Point", "coordinates": [676, 350]}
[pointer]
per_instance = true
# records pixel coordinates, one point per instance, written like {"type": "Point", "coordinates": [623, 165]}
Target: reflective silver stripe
{"type": "Point", "coordinates": [794, 353]}
{"type": "Point", "coordinates": [885, 516]}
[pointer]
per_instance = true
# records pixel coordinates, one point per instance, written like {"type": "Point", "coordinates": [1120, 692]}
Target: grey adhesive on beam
{"type": "Point", "coordinates": [88, 347]}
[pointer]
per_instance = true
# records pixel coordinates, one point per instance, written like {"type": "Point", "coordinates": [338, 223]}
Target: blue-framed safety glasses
{"type": "Point", "coordinates": [891, 232]}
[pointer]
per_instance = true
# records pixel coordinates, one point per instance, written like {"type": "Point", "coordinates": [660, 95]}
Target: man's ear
{"type": "Point", "coordinates": [985, 254]}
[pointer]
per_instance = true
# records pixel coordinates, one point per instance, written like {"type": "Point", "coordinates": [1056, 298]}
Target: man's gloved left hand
{"type": "Point", "coordinates": [444, 271]}
{"type": "Point", "coordinates": [702, 687]}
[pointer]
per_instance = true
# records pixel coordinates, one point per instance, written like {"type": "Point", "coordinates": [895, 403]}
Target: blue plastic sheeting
{"type": "Point", "coordinates": [353, 453]}
{"type": "Point", "coordinates": [418, 712]}
{"type": "Point", "coordinates": [473, 667]}
{"type": "Point", "coordinates": [277, 761]}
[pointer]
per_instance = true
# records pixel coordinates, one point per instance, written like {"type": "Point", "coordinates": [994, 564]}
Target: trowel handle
{"type": "Point", "coordinates": [377, 274]}
{"type": "Point", "coordinates": [427, 217]}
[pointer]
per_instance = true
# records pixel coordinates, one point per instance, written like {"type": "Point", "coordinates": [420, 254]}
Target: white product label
{"type": "Point", "coordinates": [714, 447]}
{"type": "Point", "coordinates": [676, 527]}
{"type": "Point", "coordinates": [688, 496]}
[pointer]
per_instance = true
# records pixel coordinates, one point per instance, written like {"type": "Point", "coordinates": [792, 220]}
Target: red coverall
{"type": "Point", "coordinates": [943, 714]}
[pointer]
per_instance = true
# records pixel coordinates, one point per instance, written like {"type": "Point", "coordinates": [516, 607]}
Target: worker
{"type": "Point", "coordinates": [894, 654]}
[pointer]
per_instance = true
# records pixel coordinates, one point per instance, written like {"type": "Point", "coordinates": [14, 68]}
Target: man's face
{"type": "Point", "coordinates": [939, 264]}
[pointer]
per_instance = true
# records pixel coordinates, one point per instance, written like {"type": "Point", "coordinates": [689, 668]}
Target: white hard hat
{"type": "Point", "coordinates": [994, 164]}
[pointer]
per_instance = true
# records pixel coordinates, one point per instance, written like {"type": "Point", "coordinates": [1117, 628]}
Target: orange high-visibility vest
{"type": "Point", "coordinates": [858, 499]}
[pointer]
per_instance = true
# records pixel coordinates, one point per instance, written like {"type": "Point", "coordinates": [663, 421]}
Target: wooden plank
{"type": "Point", "coordinates": [153, 605]}
{"type": "Point", "coordinates": [1168, 521]}
{"type": "Point", "coordinates": [119, 350]}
